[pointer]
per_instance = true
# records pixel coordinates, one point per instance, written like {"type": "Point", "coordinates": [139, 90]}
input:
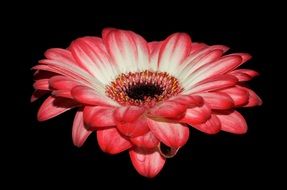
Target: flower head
{"type": "Point", "coordinates": [143, 96]}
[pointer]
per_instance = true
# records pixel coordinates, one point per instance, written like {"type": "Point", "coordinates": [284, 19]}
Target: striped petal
{"type": "Point", "coordinates": [111, 141]}
{"type": "Point", "coordinates": [79, 132]}
{"type": "Point", "coordinates": [52, 107]}
{"type": "Point", "coordinates": [147, 162]}
{"type": "Point", "coordinates": [174, 135]}
{"type": "Point", "coordinates": [233, 122]}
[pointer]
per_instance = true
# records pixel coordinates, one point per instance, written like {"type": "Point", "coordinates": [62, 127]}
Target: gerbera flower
{"type": "Point", "coordinates": [143, 96]}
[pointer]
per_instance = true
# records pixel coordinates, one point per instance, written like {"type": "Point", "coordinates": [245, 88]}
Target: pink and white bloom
{"type": "Point", "coordinates": [143, 96]}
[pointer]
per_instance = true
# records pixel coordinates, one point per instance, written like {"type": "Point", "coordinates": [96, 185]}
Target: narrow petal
{"type": "Point", "coordinates": [62, 93]}
{"type": "Point", "coordinates": [128, 50]}
{"type": "Point", "coordinates": [197, 62]}
{"type": "Point", "coordinates": [41, 84]}
{"type": "Point", "coordinates": [79, 132]}
{"type": "Point", "coordinates": [215, 83]}
{"type": "Point", "coordinates": [147, 162]}
{"type": "Point", "coordinates": [62, 83]}
{"type": "Point", "coordinates": [211, 126]}
{"type": "Point", "coordinates": [254, 99]}
{"type": "Point", "coordinates": [217, 100]}
{"type": "Point", "coordinates": [239, 95]}
{"type": "Point", "coordinates": [62, 55]}
{"type": "Point", "coordinates": [233, 122]}
{"type": "Point", "coordinates": [147, 140]}
{"type": "Point", "coordinates": [99, 116]}
{"type": "Point", "coordinates": [89, 96]}
{"type": "Point", "coordinates": [135, 128]}
{"type": "Point", "coordinates": [52, 107]}
{"type": "Point", "coordinates": [173, 51]}
{"type": "Point", "coordinates": [196, 115]}
{"type": "Point", "coordinates": [244, 74]}
{"type": "Point", "coordinates": [222, 66]}
{"type": "Point", "coordinates": [174, 135]}
{"type": "Point", "coordinates": [111, 141]}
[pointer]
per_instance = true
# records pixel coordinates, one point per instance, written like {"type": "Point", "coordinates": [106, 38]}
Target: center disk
{"type": "Point", "coordinates": [144, 91]}
{"type": "Point", "coordinates": [143, 88]}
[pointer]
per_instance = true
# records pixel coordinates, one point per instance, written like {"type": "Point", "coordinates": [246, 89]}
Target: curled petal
{"type": "Point", "coordinates": [99, 116]}
{"type": "Point", "coordinates": [111, 141]}
{"type": "Point", "coordinates": [238, 95]}
{"type": "Point", "coordinates": [171, 134]}
{"type": "Point", "coordinates": [135, 128]}
{"type": "Point", "coordinates": [89, 96]}
{"type": "Point", "coordinates": [217, 100]}
{"type": "Point", "coordinates": [196, 115]}
{"type": "Point", "coordinates": [254, 99]}
{"type": "Point", "coordinates": [52, 107]}
{"type": "Point", "coordinates": [168, 109]}
{"type": "Point", "coordinates": [211, 126]}
{"type": "Point", "coordinates": [79, 132]}
{"type": "Point", "coordinates": [128, 113]}
{"type": "Point", "coordinates": [147, 140]}
{"type": "Point", "coordinates": [147, 162]}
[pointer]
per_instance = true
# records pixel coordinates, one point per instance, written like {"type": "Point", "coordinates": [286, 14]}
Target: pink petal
{"type": "Point", "coordinates": [189, 101]}
{"type": "Point", "coordinates": [111, 141]}
{"type": "Point", "coordinates": [154, 48]}
{"type": "Point", "coordinates": [197, 115]}
{"type": "Point", "coordinates": [244, 74]}
{"type": "Point", "coordinates": [62, 93]}
{"type": "Point", "coordinates": [88, 96]}
{"type": "Point", "coordinates": [254, 99]}
{"type": "Point", "coordinates": [173, 51]}
{"type": "Point", "coordinates": [191, 64]}
{"type": "Point", "coordinates": [62, 83]}
{"type": "Point", "coordinates": [126, 47]}
{"type": "Point", "coordinates": [52, 107]}
{"type": "Point", "coordinates": [99, 116]}
{"type": "Point", "coordinates": [79, 132]}
{"type": "Point", "coordinates": [174, 135]}
{"type": "Point", "coordinates": [197, 47]}
{"type": "Point", "coordinates": [147, 162]}
{"type": "Point", "coordinates": [238, 95]}
{"type": "Point", "coordinates": [133, 129]}
{"type": "Point", "coordinates": [41, 84]}
{"type": "Point", "coordinates": [233, 122]}
{"type": "Point", "coordinates": [61, 55]}
{"type": "Point", "coordinates": [39, 74]}
{"type": "Point", "coordinates": [126, 114]}
{"type": "Point", "coordinates": [215, 83]}
{"type": "Point", "coordinates": [147, 140]}
{"type": "Point", "coordinates": [222, 66]}
{"type": "Point", "coordinates": [217, 100]}
{"type": "Point", "coordinates": [168, 109]}
{"type": "Point", "coordinates": [92, 56]}
{"type": "Point", "coordinates": [211, 126]}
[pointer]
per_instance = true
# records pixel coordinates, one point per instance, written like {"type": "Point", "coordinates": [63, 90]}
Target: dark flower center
{"type": "Point", "coordinates": [142, 91]}
{"type": "Point", "coordinates": [143, 88]}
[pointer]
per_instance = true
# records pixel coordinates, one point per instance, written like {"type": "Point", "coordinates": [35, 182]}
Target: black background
{"type": "Point", "coordinates": [43, 154]}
